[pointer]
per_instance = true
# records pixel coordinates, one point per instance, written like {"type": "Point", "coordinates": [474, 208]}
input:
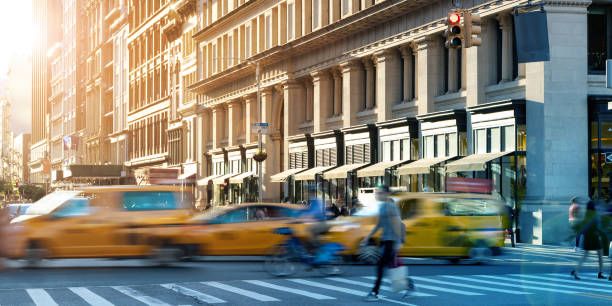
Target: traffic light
{"type": "Point", "coordinates": [472, 30]}
{"type": "Point", "coordinates": [454, 30]}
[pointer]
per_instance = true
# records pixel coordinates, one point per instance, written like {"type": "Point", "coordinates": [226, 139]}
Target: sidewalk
{"type": "Point", "coordinates": [546, 254]}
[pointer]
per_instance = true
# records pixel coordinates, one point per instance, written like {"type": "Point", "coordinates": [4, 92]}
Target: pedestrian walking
{"type": "Point", "coordinates": [389, 221]}
{"type": "Point", "coordinates": [590, 230]}
{"type": "Point", "coordinates": [574, 219]}
{"type": "Point", "coordinates": [507, 221]}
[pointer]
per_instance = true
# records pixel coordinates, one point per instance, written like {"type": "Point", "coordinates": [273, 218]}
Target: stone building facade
{"type": "Point", "coordinates": [360, 92]}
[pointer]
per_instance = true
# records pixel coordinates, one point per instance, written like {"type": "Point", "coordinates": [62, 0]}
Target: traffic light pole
{"type": "Point", "coordinates": [259, 140]}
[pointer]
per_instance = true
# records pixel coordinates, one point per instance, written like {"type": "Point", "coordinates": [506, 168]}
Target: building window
{"type": "Point", "coordinates": [230, 51]}
{"type": "Point", "coordinates": [290, 22]}
{"type": "Point", "coordinates": [599, 47]}
{"type": "Point", "coordinates": [428, 147]}
{"type": "Point", "coordinates": [214, 58]}
{"type": "Point", "coordinates": [494, 139]}
{"type": "Point", "coordinates": [247, 41]}
{"type": "Point", "coordinates": [316, 13]}
{"type": "Point", "coordinates": [215, 9]}
{"type": "Point", "coordinates": [268, 31]}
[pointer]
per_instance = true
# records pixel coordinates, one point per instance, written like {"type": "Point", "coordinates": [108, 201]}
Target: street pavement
{"type": "Point", "coordinates": [526, 275]}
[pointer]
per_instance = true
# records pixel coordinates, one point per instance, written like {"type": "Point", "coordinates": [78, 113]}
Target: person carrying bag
{"type": "Point", "coordinates": [393, 235]}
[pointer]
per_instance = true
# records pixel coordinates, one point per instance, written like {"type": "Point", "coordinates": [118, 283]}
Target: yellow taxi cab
{"type": "Point", "coordinates": [450, 225]}
{"type": "Point", "coordinates": [242, 229]}
{"type": "Point", "coordinates": [104, 221]}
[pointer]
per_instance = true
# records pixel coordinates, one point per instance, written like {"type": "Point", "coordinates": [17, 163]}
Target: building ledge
{"type": "Point", "coordinates": [149, 159]}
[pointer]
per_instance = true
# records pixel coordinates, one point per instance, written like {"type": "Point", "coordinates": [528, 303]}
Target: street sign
{"type": "Point", "coordinates": [608, 158]}
{"type": "Point", "coordinates": [260, 127]}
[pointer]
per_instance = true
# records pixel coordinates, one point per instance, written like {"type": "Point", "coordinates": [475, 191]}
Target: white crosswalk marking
{"type": "Point", "coordinates": [369, 285]}
{"type": "Point", "coordinates": [466, 285]}
{"type": "Point", "coordinates": [41, 297]}
{"type": "Point", "coordinates": [507, 284]}
{"type": "Point", "coordinates": [291, 290]}
{"type": "Point", "coordinates": [343, 289]}
{"type": "Point", "coordinates": [567, 281]}
{"type": "Point", "coordinates": [247, 293]}
{"type": "Point", "coordinates": [201, 297]}
{"type": "Point", "coordinates": [456, 291]}
{"type": "Point", "coordinates": [139, 296]}
{"type": "Point", "coordinates": [90, 297]}
{"type": "Point", "coordinates": [544, 283]}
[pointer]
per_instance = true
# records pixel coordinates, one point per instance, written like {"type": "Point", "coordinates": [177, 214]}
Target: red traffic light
{"type": "Point", "coordinates": [454, 18]}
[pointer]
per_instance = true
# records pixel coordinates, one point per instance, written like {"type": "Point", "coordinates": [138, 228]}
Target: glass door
{"type": "Point", "coordinates": [601, 157]}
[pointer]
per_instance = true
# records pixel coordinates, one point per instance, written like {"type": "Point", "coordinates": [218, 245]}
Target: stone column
{"type": "Point", "coordinates": [218, 125]}
{"type": "Point", "coordinates": [352, 91]}
{"type": "Point", "coordinates": [388, 82]}
{"type": "Point", "coordinates": [406, 51]}
{"type": "Point", "coordinates": [557, 149]}
{"type": "Point", "coordinates": [322, 99]}
{"type": "Point", "coordinates": [234, 114]}
{"type": "Point", "coordinates": [370, 83]}
{"type": "Point", "coordinates": [505, 23]}
{"type": "Point", "coordinates": [337, 104]}
{"type": "Point", "coordinates": [250, 116]}
{"type": "Point", "coordinates": [294, 113]}
{"type": "Point", "coordinates": [427, 74]}
{"type": "Point", "coordinates": [272, 145]}
{"type": "Point", "coordinates": [307, 83]}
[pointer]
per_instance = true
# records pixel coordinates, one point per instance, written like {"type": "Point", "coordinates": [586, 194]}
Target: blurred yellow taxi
{"type": "Point", "coordinates": [244, 229]}
{"type": "Point", "coordinates": [96, 222]}
{"type": "Point", "coordinates": [450, 225]}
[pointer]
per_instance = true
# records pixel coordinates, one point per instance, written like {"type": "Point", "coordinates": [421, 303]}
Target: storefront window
{"type": "Point", "coordinates": [480, 141]}
{"type": "Point", "coordinates": [405, 149]}
{"type": "Point", "coordinates": [521, 138]}
{"type": "Point", "coordinates": [452, 144]}
{"type": "Point", "coordinates": [440, 145]}
{"type": "Point", "coordinates": [386, 151]}
{"type": "Point", "coordinates": [428, 147]}
{"type": "Point", "coordinates": [509, 138]}
{"type": "Point", "coordinates": [495, 144]}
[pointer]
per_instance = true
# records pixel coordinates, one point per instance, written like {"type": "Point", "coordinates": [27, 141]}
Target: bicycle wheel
{"type": "Point", "coordinates": [333, 267]}
{"type": "Point", "coordinates": [279, 263]}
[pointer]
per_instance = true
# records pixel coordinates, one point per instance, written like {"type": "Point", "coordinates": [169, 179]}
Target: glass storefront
{"type": "Point", "coordinates": [600, 148]}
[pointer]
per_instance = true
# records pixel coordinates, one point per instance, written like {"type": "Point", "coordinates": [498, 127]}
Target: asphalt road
{"type": "Point", "coordinates": [527, 275]}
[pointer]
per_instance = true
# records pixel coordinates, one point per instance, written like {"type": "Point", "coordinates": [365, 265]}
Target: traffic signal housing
{"type": "Point", "coordinates": [454, 30]}
{"type": "Point", "coordinates": [472, 29]}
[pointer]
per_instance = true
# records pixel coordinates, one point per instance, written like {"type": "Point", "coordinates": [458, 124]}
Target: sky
{"type": "Point", "coordinates": [16, 47]}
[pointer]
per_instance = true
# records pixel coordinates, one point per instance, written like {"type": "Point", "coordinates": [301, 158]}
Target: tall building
{"type": "Point", "coordinates": [150, 86]}
{"type": "Point", "coordinates": [362, 92]}
{"type": "Point", "coordinates": [20, 91]}
{"type": "Point", "coordinates": [6, 133]}
{"type": "Point", "coordinates": [56, 112]}
{"type": "Point", "coordinates": [46, 18]}
{"type": "Point", "coordinates": [116, 22]}
{"type": "Point", "coordinates": [21, 157]}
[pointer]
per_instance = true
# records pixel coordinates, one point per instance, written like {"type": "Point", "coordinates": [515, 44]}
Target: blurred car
{"type": "Point", "coordinates": [244, 229]}
{"type": "Point", "coordinates": [450, 225]}
{"type": "Point", "coordinates": [104, 221]}
{"type": "Point", "coordinates": [16, 210]}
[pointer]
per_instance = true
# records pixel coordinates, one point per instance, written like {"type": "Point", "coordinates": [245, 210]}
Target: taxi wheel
{"type": "Point", "coordinates": [368, 254]}
{"type": "Point", "coordinates": [166, 254]}
{"type": "Point", "coordinates": [34, 254]}
{"type": "Point", "coordinates": [480, 255]}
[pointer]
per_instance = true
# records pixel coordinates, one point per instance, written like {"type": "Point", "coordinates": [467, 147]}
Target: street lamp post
{"type": "Point", "coordinates": [259, 117]}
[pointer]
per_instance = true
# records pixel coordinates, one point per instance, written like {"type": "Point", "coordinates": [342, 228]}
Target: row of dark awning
{"type": "Point", "coordinates": [475, 162]}
{"type": "Point", "coordinates": [234, 178]}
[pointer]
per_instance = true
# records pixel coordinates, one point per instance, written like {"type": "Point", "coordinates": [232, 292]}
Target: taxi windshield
{"type": "Point", "coordinates": [50, 202]}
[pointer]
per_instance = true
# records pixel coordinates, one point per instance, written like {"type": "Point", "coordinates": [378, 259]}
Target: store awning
{"type": "Point", "coordinates": [421, 166]}
{"type": "Point", "coordinates": [475, 162]}
{"type": "Point", "coordinates": [341, 172]}
{"type": "Point", "coordinates": [221, 179]}
{"type": "Point", "coordinates": [311, 173]}
{"type": "Point", "coordinates": [378, 169]}
{"type": "Point", "coordinates": [204, 181]}
{"type": "Point", "coordinates": [188, 175]}
{"type": "Point", "coordinates": [283, 176]}
{"type": "Point", "coordinates": [239, 179]}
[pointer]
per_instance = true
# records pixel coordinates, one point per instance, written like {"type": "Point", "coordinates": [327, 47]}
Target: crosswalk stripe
{"type": "Point", "coordinates": [467, 286]}
{"type": "Point", "coordinates": [247, 293]}
{"type": "Point", "coordinates": [544, 283]}
{"type": "Point", "coordinates": [201, 297]}
{"type": "Point", "coordinates": [563, 280]}
{"type": "Point", "coordinates": [506, 284]}
{"type": "Point", "coordinates": [362, 284]}
{"type": "Point", "coordinates": [434, 288]}
{"type": "Point", "coordinates": [508, 280]}
{"type": "Point", "coordinates": [343, 289]}
{"type": "Point", "coordinates": [137, 295]}
{"type": "Point", "coordinates": [41, 297]}
{"type": "Point", "coordinates": [90, 297]}
{"type": "Point", "coordinates": [291, 290]}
